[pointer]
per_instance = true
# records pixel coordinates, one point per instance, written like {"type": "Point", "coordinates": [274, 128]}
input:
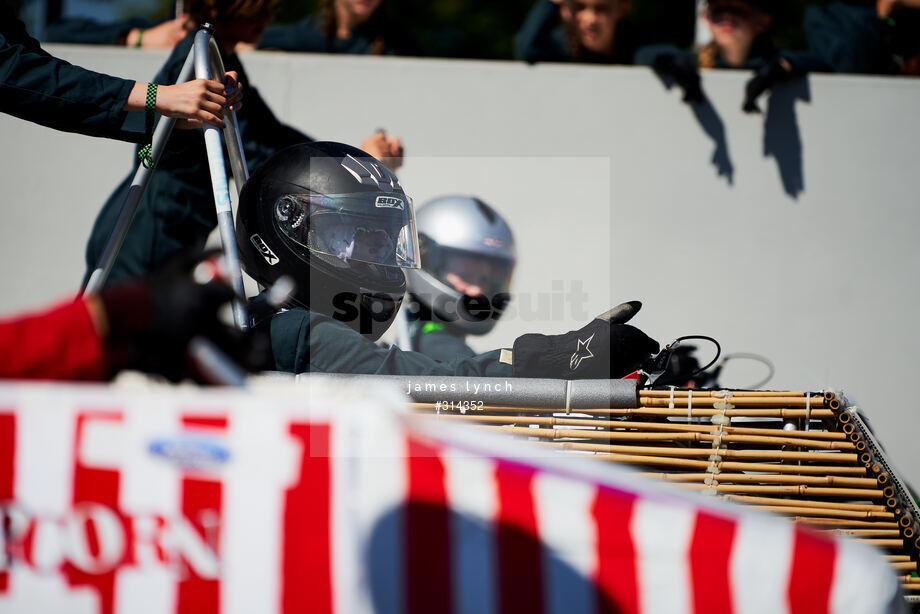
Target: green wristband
{"type": "Point", "coordinates": [140, 38]}
{"type": "Point", "coordinates": [149, 107]}
{"type": "Point", "coordinates": [151, 103]}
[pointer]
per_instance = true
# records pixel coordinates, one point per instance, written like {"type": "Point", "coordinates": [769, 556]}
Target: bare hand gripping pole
{"type": "Point", "coordinates": [202, 62]}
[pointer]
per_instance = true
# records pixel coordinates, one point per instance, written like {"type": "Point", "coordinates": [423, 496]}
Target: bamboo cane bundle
{"type": "Point", "coordinates": [868, 533]}
{"type": "Point", "coordinates": [819, 522]}
{"type": "Point", "coordinates": [556, 433]}
{"type": "Point", "coordinates": [731, 394]}
{"type": "Point", "coordinates": [814, 491]}
{"type": "Point", "coordinates": [768, 455]}
{"type": "Point", "coordinates": [642, 426]}
{"type": "Point", "coordinates": [632, 459]}
{"type": "Point", "coordinates": [909, 566]}
{"type": "Point", "coordinates": [750, 478]}
{"type": "Point", "coordinates": [837, 505]}
{"type": "Point", "coordinates": [826, 514]}
{"type": "Point", "coordinates": [737, 402]}
{"type": "Point", "coordinates": [697, 412]}
{"type": "Point", "coordinates": [795, 453]}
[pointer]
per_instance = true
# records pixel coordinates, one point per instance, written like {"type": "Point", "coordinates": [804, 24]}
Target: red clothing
{"type": "Point", "coordinates": [60, 343]}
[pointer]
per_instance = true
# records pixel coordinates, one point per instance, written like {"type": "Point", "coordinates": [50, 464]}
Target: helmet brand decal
{"type": "Point", "coordinates": [266, 252]}
{"type": "Point", "coordinates": [493, 242]}
{"type": "Point", "coordinates": [389, 202]}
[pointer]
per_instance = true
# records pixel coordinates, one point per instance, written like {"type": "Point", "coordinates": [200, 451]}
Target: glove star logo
{"type": "Point", "coordinates": [582, 352]}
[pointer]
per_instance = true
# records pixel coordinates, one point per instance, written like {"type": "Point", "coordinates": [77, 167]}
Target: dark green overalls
{"type": "Point", "coordinates": [306, 341]}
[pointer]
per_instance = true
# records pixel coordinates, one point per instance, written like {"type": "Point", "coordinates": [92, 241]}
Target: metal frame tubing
{"type": "Point", "coordinates": [564, 395]}
{"type": "Point", "coordinates": [203, 52]}
{"type": "Point", "coordinates": [203, 61]}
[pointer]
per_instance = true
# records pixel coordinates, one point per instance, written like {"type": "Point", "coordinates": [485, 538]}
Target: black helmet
{"type": "Point", "coordinates": [337, 221]}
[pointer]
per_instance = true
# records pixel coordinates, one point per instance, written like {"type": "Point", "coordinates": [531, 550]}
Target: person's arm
{"type": "Point", "coordinates": [387, 149]}
{"type": "Point", "coordinates": [60, 343]}
{"type": "Point", "coordinates": [134, 32]}
{"type": "Point", "coordinates": [164, 35]}
{"type": "Point", "coordinates": [40, 88]}
{"type": "Point", "coordinates": [197, 101]}
{"type": "Point", "coordinates": [534, 42]}
{"type": "Point", "coordinates": [84, 31]}
{"type": "Point", "coordinates": [304, 341]}
{"type": "Point", "coordinates": [43, 89]}
{"type": "Point", "coordinates": [673, 64]}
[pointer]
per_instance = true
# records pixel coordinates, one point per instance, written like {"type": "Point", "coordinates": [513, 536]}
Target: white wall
{"type": "Point", "coordinates": [808, 256]}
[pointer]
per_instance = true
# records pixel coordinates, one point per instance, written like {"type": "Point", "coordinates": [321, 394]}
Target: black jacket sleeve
{"type": "Point", "coordinates": [540, 39]}
{"type": "Point", "coordinates": [304, 341]}
{"type": "Point", "coordinates": [91, 32]}
{"type": "Point", "coordinates": [40, 88]}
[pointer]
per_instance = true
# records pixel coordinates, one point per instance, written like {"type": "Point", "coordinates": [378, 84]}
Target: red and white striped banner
{"type": "Point", "coordinates": [318, 498]}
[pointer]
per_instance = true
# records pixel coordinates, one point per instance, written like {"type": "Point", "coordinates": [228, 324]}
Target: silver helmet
{"type": "Point", "coordinates": [468, 257]}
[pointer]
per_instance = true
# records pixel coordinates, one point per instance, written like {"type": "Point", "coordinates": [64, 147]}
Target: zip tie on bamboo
{"type": "Point", "coordinates": [690, 405]}
{"type": "Point", "coordinates": [719, 420]}
{"type": "Point", "coordinates": [671, 399]}
{"type": "Point", "coordinates": [723, 406]}
{"type": "Point", "coordinates": [807, 412]}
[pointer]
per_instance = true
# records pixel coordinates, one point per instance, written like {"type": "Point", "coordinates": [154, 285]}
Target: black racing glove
{"type": "Point", "coordinates": [764, 78]}
{"type": "Point", "coordinates": [606, 348]}
{"type": "Point", "coordinates": [682, 68]}
{"type": "Point", "coordinates": [152, 320]}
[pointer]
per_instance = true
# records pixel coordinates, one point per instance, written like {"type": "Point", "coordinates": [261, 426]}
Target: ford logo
{"type": "Point", "coordinates": [190, 451]}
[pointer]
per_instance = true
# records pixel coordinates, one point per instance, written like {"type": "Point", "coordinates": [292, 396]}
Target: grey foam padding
{"type": "Point", "coordinates": [518, 392]}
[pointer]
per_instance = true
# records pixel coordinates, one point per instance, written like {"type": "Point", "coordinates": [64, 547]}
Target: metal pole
{"type": "Point", "coordinates": [202, 51]}
{"type": "Point", "coordinates": [231, 128]}
{"type": "Point", "coordinates": [133, 197]}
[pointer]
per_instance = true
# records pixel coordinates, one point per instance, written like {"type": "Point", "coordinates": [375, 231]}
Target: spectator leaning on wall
{"type": "Point", "coordinates": [741, 38]}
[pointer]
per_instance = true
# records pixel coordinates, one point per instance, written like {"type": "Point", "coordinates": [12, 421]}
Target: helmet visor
{"type": "Point", "coordinates": [470, 273]}
{"type": "Point", "coordinates": [365, 227]}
